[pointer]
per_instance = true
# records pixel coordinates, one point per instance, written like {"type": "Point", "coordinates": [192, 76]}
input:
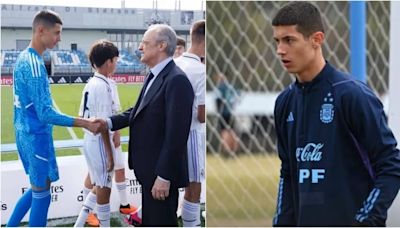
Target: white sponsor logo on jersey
{"type": "Point", "coordinates": [311, 152]}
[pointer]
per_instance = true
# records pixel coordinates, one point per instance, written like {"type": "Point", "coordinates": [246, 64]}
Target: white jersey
{"type": "Point", "coordinates": [196, 72]}
{"type": "Point", "coordinates": [99, 98]}
{"type": "Point", "coordinates": [116, 107]}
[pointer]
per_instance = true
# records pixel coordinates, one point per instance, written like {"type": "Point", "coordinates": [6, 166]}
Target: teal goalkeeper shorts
{"type": "Point", "coordinates": [36, 152]}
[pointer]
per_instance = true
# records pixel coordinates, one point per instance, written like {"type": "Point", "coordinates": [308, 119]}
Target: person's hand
{"type": "Point", "coordinates": [97, 125]}
{"type": "Point", "coordinates": [117, 139]}
{"type": "Point", "coordinates": [93, 126]}
{"type": "Point", "coordinates": [160, 190]}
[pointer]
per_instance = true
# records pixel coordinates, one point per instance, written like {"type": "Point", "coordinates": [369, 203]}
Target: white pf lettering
{"type": "Point", "coordinates": [315, 174]}
{"type": "Point", "coordinates": [304, 174]}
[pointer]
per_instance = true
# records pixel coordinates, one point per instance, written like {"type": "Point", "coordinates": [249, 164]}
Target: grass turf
{"type": "Point", "coordinates": [242, 191]}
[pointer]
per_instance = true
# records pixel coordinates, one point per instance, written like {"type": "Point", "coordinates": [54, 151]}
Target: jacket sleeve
{"type": "Point", "coordinates": [179, 100]}
{"type": "Point", "coordinates": [366, 118]}
{"type": "Point", "coordinates": [121, 120]}
{"type": "Point", "coordinates": [284, 215]}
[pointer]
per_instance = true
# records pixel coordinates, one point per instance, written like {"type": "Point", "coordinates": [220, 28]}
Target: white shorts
{"type": "Point", "coordinates": [196, 156]}
{"type": "Point", "coordinates": [96, 159]}
{"type": "Point", "coordinates": [119, 161]}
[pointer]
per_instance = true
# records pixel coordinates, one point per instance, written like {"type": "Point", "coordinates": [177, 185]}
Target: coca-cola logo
{"type": "Point", "coordinates": [311, 152]}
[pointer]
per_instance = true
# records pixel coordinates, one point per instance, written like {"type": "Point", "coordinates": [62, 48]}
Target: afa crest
{"type": "Point", "coordinates": [327, 112]}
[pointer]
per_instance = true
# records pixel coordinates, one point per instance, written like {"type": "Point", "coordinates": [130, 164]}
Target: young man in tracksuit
{"type": "Point", "coordinates": [340, 165]}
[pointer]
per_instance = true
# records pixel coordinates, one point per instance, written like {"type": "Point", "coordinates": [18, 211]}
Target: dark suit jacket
{"type": "Point", "coordinates": [159, 129]}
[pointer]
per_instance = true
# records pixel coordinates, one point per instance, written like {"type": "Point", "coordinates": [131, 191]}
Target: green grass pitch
{"type": "Point", "coordinates": [234, 197]}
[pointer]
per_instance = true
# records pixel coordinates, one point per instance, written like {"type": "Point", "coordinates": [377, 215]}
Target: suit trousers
{"type": "Point", "coordinates": [159, 212]}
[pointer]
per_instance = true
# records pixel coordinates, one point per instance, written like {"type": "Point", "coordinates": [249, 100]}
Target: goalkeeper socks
{"type": "Point", "coordinates": [121, 186]}
{"type": "Point", "coordinates": [40, 207]}
{"type": "Point", "coordinates": [23, 205]}
{"type": "Point", "coordinates": [103, 214]}
{"type": "Point", "coordinates": [88, 206]}
{"type": "Point", "coordinates": [190, 214]}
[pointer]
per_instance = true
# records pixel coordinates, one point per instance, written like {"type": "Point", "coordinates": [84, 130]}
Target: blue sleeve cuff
{"type": "Point", "coordinates": [72, 120]}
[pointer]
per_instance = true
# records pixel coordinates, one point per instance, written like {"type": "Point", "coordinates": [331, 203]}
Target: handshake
{"type": "Point", "coordinates": [97, 125]}
{"type": "Point", "coordinates": [94, 125]}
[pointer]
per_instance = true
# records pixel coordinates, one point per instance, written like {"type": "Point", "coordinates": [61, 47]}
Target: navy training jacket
{"type": "Point", "coordinates": [340, 164]}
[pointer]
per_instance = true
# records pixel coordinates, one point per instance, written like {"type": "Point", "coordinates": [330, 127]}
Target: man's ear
{"type": "Point", "coordinates": [317, 39]}
{"type": "Point", "coordinates": [163, 45]}
{"type": "Point", "coordinates": [40, 29]}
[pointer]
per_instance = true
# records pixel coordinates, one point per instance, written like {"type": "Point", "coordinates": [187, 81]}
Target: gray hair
{"type": "Point", "coordinates": [167, 34]}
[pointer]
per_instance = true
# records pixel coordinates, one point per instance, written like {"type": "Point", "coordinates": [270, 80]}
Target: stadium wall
{"type": "Point", "coordinates": [84, 38]}
{"type": "Point", "coordinates": [10, 36]}
{"type": "Point", "coordinates": [20, 16]}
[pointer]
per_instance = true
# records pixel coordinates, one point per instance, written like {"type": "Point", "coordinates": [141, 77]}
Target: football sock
{"type": "Point", "coordinates": [190, 214]}
{"type": "Point", "coordinates": [88, 206]}
{"type": "Point", "coordinates": [40, 207]}
{"type": "Point", "coordinates": [85, 192]}
{"type": "Point", "coordinates": [139, 212]}
{"type": "Point", "coordinates": [103, 214]}
{"type": "Point", "coordinates": [20, 210]}
{"type": "Point", "coordinates": [121, 186]}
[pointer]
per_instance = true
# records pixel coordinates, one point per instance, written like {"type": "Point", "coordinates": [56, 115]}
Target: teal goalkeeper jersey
{"type": "Point", "coordinates": [34, 117]}
{"type": "Point", "coordinates": [33, 109]}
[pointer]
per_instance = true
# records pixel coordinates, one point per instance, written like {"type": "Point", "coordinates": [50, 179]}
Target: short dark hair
{"type": "Point", "coordinates": [180, 41]}
{"type": "Point", "coordinates": [48, 18]}
{"type": "Point", "coordinates": [198, 31]}
{"type": "Point", "coordinates": [303, 14]}
{"type": "Point", "coordinates": [101, 51]}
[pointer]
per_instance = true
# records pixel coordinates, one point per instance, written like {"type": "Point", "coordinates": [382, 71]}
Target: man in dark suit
{"type": "Point", "coordinates": [159, 125]}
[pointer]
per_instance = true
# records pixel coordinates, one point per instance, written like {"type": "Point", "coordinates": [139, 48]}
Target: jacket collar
{"type": "Point", "coordinates": [321, 76]}
{"type": "Point", "coordinates": [160, 66]}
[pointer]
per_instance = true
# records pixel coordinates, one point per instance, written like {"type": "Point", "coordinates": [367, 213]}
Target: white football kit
{"type": "Point", "coordinates": [99, 100]}
{"type": "Point", "coordinates": [196, 72]}
{"type": "Point", "coordinates": [116, 107]}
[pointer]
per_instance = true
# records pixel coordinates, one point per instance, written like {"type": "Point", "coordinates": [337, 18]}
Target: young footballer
{"type": "Point", "coordinates": [119, 167]}
{"type": "Point", "coordinates": [98, 102]}
{"type": "Point", "coordinates": [34, 117]}
{"type": "Point", "coordinates": [340, 164]}
{"type": "Point", "coordinates": [195, 70]}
